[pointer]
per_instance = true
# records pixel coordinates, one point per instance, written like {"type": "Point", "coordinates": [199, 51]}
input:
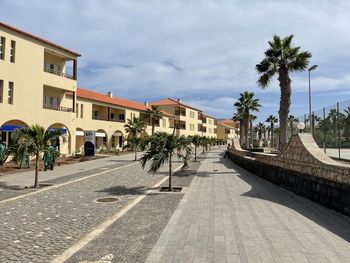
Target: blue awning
{"type": "Point", "coordinates": [9, 128]}
{"type": "Point", "coordinates": [63, 130]}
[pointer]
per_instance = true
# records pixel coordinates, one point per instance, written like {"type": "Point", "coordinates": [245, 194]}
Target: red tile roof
{"type": "Point", "coordinates": [228, 122]}
{"type": "Point", "coordinates": [100, 97]}
{"type": "Point", "coordinates": [170, 101]}
{"type": "Point", "coordinates": [38, 38]}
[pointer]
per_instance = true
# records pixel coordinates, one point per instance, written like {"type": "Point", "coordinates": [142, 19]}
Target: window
{"type": "Point", "coordinates": [121, 116]}
{"type": "Point", "coordinates": [76, 110]}
{"type": "Point", "coordinates": [52, 68]}
{"type": "Point", "coordinates": [81, 110]}
{"type": "Point", "coordinates": [164, 123]}
{"type": "Point", "coordinates": [112, 116]}
{"type": "Point", "coordinates": [2, 48]}
{"type": "Point", "coordinates": [95, 114]}
{"type": "Point", "coordinates": [10, 93]}
{"type": "Point", "coordinates": [192, 114]}
{"type": "Point", "coordinates": [13, 51]}
{"type": "Point", "coordinates": [209, 130]}
{"type": "Point", "coordinates": [51, 101]}
{"type": "Point", "coordinates": [1, 90]}
{"type": "Point", "coordinates": [191, 126]}
{"type": "Point", "coordinates": [209, 121]}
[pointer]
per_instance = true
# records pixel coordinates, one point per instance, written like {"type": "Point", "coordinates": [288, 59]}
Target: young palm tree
{"type": "Point", "coordinates": [281, 58]}
{"type": "Point", "coordinates": [238, 116]}
{"type": "Point", "coordinates": [155, 114]}
{"type": "Point", "coordinates": [272, 120]}
{"type": "Point", "coordinates": [245, 104]}
{"type": "Point", "coordinates": [196, 141]}
{"type": "Point", "coordinates": [34, 140]}
{"type": "Point", "coordinates": [163, 147]}
{"type": "Point", "coordinates": [134, 128]}
{"type": "Point", "coordinates": [261, 130]}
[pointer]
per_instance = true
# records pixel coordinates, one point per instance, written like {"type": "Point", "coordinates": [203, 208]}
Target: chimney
{"type": "Point", "coordinates": [146, 103]}
{"type": "Point", "coordinates": [109, 94]}
{"type": "Point", "coordinates": [179, 100]}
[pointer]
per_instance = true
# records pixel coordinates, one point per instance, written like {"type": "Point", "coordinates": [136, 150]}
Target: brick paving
{"type": "Point", "coordinates": [231, 215]}
{"type": "Point", "coordinates": [39, 227]}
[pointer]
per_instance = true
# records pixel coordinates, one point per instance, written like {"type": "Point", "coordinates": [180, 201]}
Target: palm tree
{"type": "Point", "coordinates": [238, 116]}
{"type": "Point", "coordinates": [134, 128]}
{"type": "Point", "coordinates": [34, 140]}
{"type": "Point", "coordinates": [251, 119]}
{"type": "Point", "coordinates": [282, 58]}
{"type": "Point", "coordinates": [245, 104]}
{"type": "Point", "coordinates": [155, 114]}
{"type": "Point", "coordinates": [272, 120]}
{"type": "Point", "coordinates": [347, 122]}
{"type": "Point", "coordinates": [196, 141]}
{"type": "Point", "coordinates": [163, 147]}
{"type": "Point", "coordinates": [261, 130]}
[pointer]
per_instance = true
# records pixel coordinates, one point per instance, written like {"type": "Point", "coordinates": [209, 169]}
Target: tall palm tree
{"type": "Point", "coordinates": [245, 104]}
{"type": "Point", "coordinates": [238, 116]}
{"type": "Point", "coordinates": [34, 140]}
{"type": "Point", "coordinates": [134, 127]}
{"type": "Point", "coordinates": [251, 119]}
{"type": "Point", "coordinates": [261, 128]}
{"type": "Point", "coordinates": [196, 141]}
{"type": "Point", "coordinates": [163, 147]}
{"type": "Point", "coordinates": [272, 120]}
{"type": "Point", "coordinates": [281, 58]}
{"type": "Point", "coordinates": [155, 114]}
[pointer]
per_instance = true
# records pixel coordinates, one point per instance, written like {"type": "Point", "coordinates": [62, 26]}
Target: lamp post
{"type": "Point", "coordinates": [310, 116]}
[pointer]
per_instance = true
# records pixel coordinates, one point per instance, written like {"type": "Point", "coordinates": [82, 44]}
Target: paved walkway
{"type": "Point", "coordinates": [230, 215]}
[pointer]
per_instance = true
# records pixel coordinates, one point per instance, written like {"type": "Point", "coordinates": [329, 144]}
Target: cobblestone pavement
{"type": "Point", "coordinates": [132, 237]}
{"type": "Point", "coordinates": [38, 227]}
{"type": "Point", "coordinates": [231, 215]}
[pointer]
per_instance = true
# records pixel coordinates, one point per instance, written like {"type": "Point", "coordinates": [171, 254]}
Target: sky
{"type": "Point", "coordinates": [203, 52]}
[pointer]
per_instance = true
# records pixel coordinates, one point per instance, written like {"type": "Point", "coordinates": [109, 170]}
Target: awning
{"type": "Point", "coordinates": [100, 134]}
{"type": "Point", "coordinates": [9, 128]}
{"type": "Point", "coordinates": [79, 133]}
{"type": "Point", "coordinates": [63, 130]}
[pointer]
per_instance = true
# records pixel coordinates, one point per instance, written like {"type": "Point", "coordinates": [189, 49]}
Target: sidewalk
{"type": "Point", "coordinates": [231, 215]}
{"type": "Point", "coordinates": [26, 179]}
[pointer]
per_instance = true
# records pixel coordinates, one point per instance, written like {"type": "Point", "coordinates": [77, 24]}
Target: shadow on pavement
{"type": "Point", "coordinates": [332, 220]}
{"type": "Point", "coordinates": [122, 190]}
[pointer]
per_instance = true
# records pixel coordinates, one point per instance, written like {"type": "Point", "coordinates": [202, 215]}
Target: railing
{"type": "Point", "coordinates": [58, 108]}
{"type": "Point", "coordinates": [58, 73]}
{"type": "Point", "coordinates": [99, 118]}
{"type": "Point", "coordinates": [178, 113]}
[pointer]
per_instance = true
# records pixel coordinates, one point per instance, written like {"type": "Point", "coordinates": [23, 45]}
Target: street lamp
{"type": "Point", "coordinates": [310, 69]}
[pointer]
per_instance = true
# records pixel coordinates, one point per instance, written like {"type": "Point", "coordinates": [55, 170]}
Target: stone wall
{"type": "Point", "coordinates": [303, 168]}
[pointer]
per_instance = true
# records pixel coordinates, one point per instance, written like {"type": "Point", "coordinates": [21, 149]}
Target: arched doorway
{"type": "Point", "coordinates": [101, 139]}
{"type": "Point", "coordinates": [63, 147]}
{"type": "Point", "coordinates": [79, 141]}
{"type": "Point", "coordinates": [117, 140]}
{"type": "Point", "coordinates": [8, 128]}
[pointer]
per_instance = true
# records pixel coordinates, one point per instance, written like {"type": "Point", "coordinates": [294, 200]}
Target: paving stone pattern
{"type": "Point", "coordinates": [39, 227]}
{"type": "Point", "coordinates": [231, 215]}
{"type": "Point", "coordinates": [132, 237]}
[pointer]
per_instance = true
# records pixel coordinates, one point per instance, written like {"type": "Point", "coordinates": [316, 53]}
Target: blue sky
{"type": "Point", "coordinates": [204, 52]}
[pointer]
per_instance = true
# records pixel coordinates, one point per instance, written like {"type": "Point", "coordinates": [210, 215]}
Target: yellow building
{"type": "Point", "coordinates": [38, 85]}
{"type": "Point", "coordinates": [227, 130]}
{"type": "Point", "coordinates": [188, 119]}
{"type": "Point", "coordinates": [36, 77]}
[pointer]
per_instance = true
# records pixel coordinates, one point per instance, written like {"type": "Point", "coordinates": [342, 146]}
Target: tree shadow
{"type": "Point", "coordinates": [123, 190]}
{"type": "Point", "coordinates": [333, 221]}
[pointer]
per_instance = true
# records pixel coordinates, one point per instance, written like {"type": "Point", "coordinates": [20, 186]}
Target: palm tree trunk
{"type": "Point", "coordinates": [195, 153]}
{"type": "Point", "coordinates": [241, 129]}
{"type": "Point", "coordinates": [135, 153]}
{"type": "Point", "coordinates": [251, 132]}
{"type": "Point", "coordinates": [272, 141]}
{"type": "Point", "coordinates": [36, 179]}
{"type": "Point", "coordinates": [246, 124]}
{"type": "Point", "coordinates": [170, 175]}
{"type": "Point", "coordinates": [285, 86]}
{"type": "Point", "coordinates": [152, 123]}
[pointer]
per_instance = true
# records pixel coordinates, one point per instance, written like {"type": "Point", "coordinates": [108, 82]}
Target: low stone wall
{"type": "Point", "coordinates": [303, 168]}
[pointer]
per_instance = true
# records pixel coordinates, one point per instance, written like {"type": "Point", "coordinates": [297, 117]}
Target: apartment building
{"type": "Point", "coordinates": [38, 85]}
{"type": "Point", "coordinates": [188, 119]}
{"type": "Point", "coordinates": [227, 130]}
{"type": "Point", "coordinates": [36, 77]}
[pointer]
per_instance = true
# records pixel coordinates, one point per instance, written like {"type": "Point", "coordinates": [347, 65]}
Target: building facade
{"type": "Point", "coordinates": [227, 130]}
{"type": "Point", "coordinates": [38, 85]}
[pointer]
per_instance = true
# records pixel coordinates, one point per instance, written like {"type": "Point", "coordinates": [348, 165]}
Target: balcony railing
{"type": "Point", "coordinates": [99, 118]}
{"type": "Point", "coordinates": [58, 108]}
{"type": "Point", "coordinates": [58, 73]}
{"type": "Point", "coordinates": [178, 113]}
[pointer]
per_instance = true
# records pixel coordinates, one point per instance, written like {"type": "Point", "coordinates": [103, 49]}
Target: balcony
{"type": "Point", "coordinates": [181, 112]}
{"type": "Point", "coordinates": [100, 118]}
{"type": "Point", "coordinates": [57, 108]}
{"type": "Point", "coordinates": [58, 73]}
